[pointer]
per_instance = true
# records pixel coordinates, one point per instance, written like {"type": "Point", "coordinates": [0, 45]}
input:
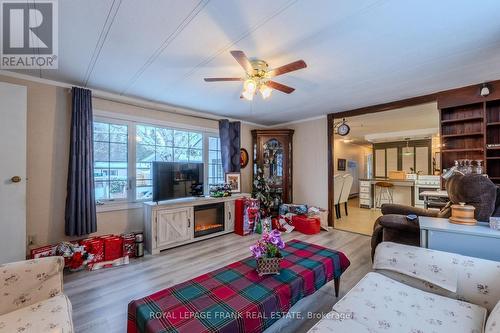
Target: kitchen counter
{"type": "Point", "coordinates": [403, 191]}
{"type": "Point", "coordinates": [399, 182]}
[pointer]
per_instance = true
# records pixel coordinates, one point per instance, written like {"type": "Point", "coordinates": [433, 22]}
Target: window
{"type": "Point", "coordinates": [162, 144]}
{"type": "Point", "coordinates": [215, 173]}
{"type": "Point", "coordinates": [110, 161]}
{"type": "Point", "coordinates": [125, 150]}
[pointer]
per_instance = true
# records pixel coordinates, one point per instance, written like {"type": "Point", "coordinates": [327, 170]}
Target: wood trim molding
{"type": "Point", "coordinates": [446, 98]}
{"type": "Point", "coordinates": [329, 122]}
{"type": "Point", "coordinates": [387, 106]}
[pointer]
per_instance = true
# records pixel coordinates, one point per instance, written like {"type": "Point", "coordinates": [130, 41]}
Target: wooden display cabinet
{"type": "Point", "coordinates": [493, 138]}
{"type": "Point", "coordinates": [471, 132]}
{"type": "Point", "coordinates": [272, 153]}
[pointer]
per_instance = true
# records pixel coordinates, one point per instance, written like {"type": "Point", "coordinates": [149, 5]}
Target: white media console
{"type": "Point", "coordinates": [172, 223]}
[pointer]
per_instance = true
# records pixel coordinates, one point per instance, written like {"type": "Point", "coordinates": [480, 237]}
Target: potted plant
{"type": "Point", "coordinates": [267, 252]}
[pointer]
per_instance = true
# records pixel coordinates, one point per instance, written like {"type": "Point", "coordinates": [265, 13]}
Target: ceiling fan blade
{"type": "Point", "coordinates": [215, 79]}
{"type": "Point", "coordinates": [293, 66]}
{"type": "Point", "coordinates": [242, 59]}
{"type": "Point", "coordinates": [280, 87]}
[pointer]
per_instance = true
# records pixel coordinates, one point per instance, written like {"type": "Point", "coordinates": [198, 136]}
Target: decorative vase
{"type": "Point", "coordinates": [268, 265]}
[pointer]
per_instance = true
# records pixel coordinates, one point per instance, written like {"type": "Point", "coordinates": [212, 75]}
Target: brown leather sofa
{"type": "Point", "coordinates": [475, 190]}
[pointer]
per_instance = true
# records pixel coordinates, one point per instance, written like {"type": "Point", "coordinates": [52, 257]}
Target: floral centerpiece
{"type": "Point", "coordinates": [267, 252]}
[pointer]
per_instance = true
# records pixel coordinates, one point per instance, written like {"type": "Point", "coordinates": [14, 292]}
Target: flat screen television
{"type": "Point", "coordinates": [172, 180]}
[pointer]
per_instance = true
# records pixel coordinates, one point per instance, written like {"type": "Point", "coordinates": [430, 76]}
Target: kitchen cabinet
{"type": "Point", "coordinates": [380, 170]}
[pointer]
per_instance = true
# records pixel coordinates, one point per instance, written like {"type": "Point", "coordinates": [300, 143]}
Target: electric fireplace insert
{"type": "Point", "coordinates": [208, 219]}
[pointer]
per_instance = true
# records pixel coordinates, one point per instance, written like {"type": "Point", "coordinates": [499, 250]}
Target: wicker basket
{"type": "Point", "coordinates": [268, 265]}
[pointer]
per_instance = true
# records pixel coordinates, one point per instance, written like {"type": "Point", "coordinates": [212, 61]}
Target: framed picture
{"type": "Point", "coordinates": [234, 181]}
{"type": "Point", "coordinates": [243, 158]}
{"type": "Point", "coordinates": [341, 164]}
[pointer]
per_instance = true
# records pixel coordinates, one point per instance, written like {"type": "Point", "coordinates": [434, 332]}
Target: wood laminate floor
{"type": "Point", "coordinates": [100, 298]}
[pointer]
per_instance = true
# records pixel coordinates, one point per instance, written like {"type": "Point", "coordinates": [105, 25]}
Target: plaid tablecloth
{"type": "Point", "coordinates": [235, 298]}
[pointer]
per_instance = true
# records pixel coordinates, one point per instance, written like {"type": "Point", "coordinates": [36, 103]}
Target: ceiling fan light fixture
{"type": "Point", "coordinates": [265, 91]}
{"type": "Point", "coordinates": [250, 86]}
{"type": "Point", "coordinates": [247, 95]}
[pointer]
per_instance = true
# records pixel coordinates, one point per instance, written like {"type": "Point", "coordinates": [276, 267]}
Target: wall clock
{"type": "Point", "coordinates": [342, 128]}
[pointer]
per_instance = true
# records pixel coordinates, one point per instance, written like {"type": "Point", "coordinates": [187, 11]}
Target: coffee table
{"type": "Point", "coordinates": [235, 298]}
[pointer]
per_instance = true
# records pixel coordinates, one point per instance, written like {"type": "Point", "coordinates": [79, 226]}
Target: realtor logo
{"type": "Point", "coordinates": [29, 34]}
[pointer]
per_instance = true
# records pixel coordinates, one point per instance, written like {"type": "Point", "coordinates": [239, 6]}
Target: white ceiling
{"type": "Point", "coordinates": [359, 53]}
{"type": "Point", "coordinates": [414, 122]}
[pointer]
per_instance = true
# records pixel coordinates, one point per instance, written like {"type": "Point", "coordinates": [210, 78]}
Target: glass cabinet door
{"type": "Point", "coordinates": [273, 162]}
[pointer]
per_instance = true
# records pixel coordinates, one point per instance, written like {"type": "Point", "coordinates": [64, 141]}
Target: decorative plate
{"type": "Point", "coordinates": [243, 157]}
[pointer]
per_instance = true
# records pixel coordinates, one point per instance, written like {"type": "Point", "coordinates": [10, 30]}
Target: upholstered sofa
{"type": "Point", "coordinates": [475, 190]}
{"type": "Point", "coordinates": [414, 289]}
{"type": "Point", "coordinates": [32, 299]}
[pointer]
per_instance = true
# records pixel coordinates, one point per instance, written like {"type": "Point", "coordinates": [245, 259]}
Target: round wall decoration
{"type": "Point", "coordinates": [243, 157]}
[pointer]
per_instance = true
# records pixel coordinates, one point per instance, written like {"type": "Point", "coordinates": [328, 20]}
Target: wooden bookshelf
{"type": "Point", "coordinates": [462, 133]}
{"type": "Point", "coordinates": [492, 115]}
{"type": "Point", "coordinates": [459, 119]}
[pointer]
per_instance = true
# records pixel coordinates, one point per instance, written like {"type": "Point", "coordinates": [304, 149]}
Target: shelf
{"type": "Point", "coordinates": [493, 148]}
{"type": "Point", "coordinates": [459, 120]}
{"type": "Point", "coordinates": [461, 150]}
{"type": "Point", "coordinates": [462, 135]}
{"type": "Point", "coordinates": [496, 123]}
{"type": "Point", "coordinates": [493, 158]}
{"type": "Point", "coordinates": [495, 178]}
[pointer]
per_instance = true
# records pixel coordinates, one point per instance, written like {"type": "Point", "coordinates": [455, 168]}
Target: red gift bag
{"type": "Point", "coordinates": [113, 247]}
{"type": "Point", "coordinates": [306, 225]}
{"type": "Point", "coordinates": [246, 215]}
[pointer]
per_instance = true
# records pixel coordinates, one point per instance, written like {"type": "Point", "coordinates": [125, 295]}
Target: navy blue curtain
{"type": "Point", "coordinates": [229, 133]}
{"type": "Point", "coordinates": [80, 216]}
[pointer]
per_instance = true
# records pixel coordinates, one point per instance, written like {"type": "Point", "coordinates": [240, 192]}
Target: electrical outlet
{"type": "Point", "coordinates": [31, 239]}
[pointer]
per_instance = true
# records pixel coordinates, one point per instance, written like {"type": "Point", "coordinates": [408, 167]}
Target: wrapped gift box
{"type": "Point", "coordinates": [320, 213]}
{"type": "Point", "coordinates": [95, 247]}
{"type": "Point", "coordinates": [306, 225]}
{"type": "Point", "coordinates": [129, 245]}
{"type": "Point", "coordinates": [44, 251]}
{"type": "Point", "coordinates": [293, 209]}
{"type": "Point", "coordinates": [246, 215]}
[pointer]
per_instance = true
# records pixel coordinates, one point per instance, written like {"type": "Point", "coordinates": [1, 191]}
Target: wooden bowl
{"type": "Point", "coordinates": [463, 214]}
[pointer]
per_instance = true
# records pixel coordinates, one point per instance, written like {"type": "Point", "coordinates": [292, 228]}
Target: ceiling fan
{"type": "Point", "coordinates": [258, 76]}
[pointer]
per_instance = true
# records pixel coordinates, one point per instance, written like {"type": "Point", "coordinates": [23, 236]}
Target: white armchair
{"type": "Point", "coordinates": [32, 298]}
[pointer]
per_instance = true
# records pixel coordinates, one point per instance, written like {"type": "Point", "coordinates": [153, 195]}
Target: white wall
{"type": "Point", "coordinates": [310, 162]}
{"type": "Point", "coordinates": [351, 152]}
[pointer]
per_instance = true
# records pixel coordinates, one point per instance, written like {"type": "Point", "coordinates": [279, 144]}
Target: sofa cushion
{"type": "Point", "coordinates": [418, 262]}
{"type": "Point", "coordinates": [380, 304]}
{"type": "Point", "coordinates": [477, 278]}
{"type": "Point", "coordinates": [493, 322]}
{"type": "Point", "coordinates": [50, 315]}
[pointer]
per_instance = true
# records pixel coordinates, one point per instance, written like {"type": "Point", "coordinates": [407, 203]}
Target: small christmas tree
{"type": "Point", "coordinates": [262, 192]}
